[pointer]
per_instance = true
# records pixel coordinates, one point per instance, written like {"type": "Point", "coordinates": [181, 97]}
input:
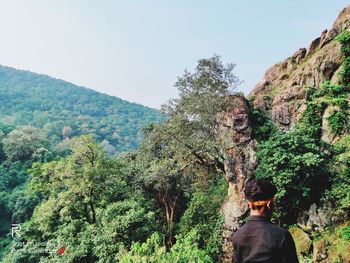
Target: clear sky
{"type": "Point", "coordinates": [136, 49]}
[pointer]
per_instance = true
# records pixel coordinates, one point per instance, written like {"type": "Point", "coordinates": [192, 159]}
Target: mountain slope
{"type": "Point", "coordinates": [63, 109]}
{"type": "Point", "coordinates": [283, 91]}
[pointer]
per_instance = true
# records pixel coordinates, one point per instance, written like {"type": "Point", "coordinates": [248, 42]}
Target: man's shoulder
{"type": "Point", "coordinates": [278, 228]}
{"type": "Point", "coordinates": [267, 226]}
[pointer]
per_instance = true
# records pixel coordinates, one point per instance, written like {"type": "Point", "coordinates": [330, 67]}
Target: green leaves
{"type": "Point", "coordinates": [88, 204]}
{"type": "Point", "coordinates": [184, 251]}
{"type": "Point", "coordinates": [262, 126]}
{"type": "Point", "coordinates": [203, 215]}
{"type": "Point", "coordinates": [120, 224]}
{"type": "Point", "coordinates": [293, 161]}
{"type": "Point", "coordinates": [340, 168]}
{"type": "Point", "coordinates": [192, 118]}
{"type": "Point", "coordinates": [25, 143]}
{"type": "Point", "coordinates": [344, 39]}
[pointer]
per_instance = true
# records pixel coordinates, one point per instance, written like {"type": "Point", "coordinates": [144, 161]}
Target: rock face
{"type": "Point", "coordinates": [282, 94]}
{"type": "Point", "coordinates": [235, 134]}
{"type": "Point", "coordinates": [317, 218]}
{"type": "Point", "coordinates": [320, 252]}
{"type": "Point", "coordinates": [327, 134]}
{"type": "Point", "coordinates": [282, 91]}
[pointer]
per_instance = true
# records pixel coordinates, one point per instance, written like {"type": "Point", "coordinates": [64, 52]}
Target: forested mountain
{"type": "Point", "coordinates": [62, 110]}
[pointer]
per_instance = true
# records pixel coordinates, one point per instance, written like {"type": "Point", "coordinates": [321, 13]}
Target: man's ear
{"type": "Point", "coordinates": [250, 205]}
{"type": "Point", "coordinates": [270, 203]}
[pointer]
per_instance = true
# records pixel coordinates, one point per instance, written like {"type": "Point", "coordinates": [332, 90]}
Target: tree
{"type": "Point", "coordinates": [79, 183]}
{"type": "Point", "coordinates": [25, 143]}
{"type": "Point", "coordinates": [160, 174]}
{"type": "Point", "coordinates": [87, 200]}
{"type": "Point", "coordinates": [120, 224]}
{"type": "Point", "coordinates": [175, 151]}
{"type": "Point", "coordinates": [192, 123]}
{"type": "Point", "coordinates": [66, 132]}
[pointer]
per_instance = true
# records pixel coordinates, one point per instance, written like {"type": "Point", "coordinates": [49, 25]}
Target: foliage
{"type": "Point", "coordinates": [185, 250]}
{"type": "Point", "coordinates": [295, 162]}
{"type": "Point", "coordinates": [262, 126]}
{"type": "Point", "coordinates": [313, 117]}
{"type": "Point", "coordinates": [14, 206]}
{"type": "Point", "coordinates": [161, 175]}
{"type": "Point", "coordinates": [203, 216]}
{"type": "Point", "coordinates": [192, 123]}
{"type": "Point", "coordinates": [344, 74]}
{"type": "Point", "coordinates": [329, 95]}
{"type": "Point", "coordinates": [87, 201]}
{"type": "Point", "coordinates": [344, 39]}
{"type": "Point", "coordinates": [121, 224]}
{"type": "Point", "coordinates": [93, 206]}
{"type": "Point", "coordinates": [337, 94]}
{"type": "Point", "coordinates": [174, 153]}
{"type": "Point", "coordinates": [338, 120]}
{"type": "Point", "coordinates": [340, 190]}
{"type": "Point", "coordinates": [345, 232]}
{"type": "Point", "coordinates": [337, 245]}
{"type": "Point", "coordinates": [103, 209]}
{"type": "Point", "coordinates": [25, 143]}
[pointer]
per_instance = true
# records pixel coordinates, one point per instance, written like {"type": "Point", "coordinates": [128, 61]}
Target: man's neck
{"type": "Point", "coordinates": [256, 213]}
{"type": "Point", "coordinates": [261, 212]}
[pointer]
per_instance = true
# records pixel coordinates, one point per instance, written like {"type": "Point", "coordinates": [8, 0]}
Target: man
{"type": "Point", "coordinates": [259, 240]}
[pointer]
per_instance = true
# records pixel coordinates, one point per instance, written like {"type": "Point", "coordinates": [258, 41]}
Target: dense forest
{"type": "Point", "coordinates": [162, 202]}
{"type": "Point", "coordinates": [96, 208]}
{"type": "Point", "coordinates": [63, 110]}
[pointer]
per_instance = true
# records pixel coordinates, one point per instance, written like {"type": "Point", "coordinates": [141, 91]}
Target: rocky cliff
{"type": "Point", "coordinates": [236, 137]}
{"type": "Point", "coordinates": [282, 94]}
{"type": "Point", "coordinates": [283, 90]}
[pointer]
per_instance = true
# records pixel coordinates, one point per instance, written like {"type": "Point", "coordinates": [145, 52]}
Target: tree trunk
{"type": "Point", "coordinates": [170, 205]}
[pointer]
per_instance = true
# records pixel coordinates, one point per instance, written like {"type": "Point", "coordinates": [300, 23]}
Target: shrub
{"type": "Point", "coordinates": [295, 162]}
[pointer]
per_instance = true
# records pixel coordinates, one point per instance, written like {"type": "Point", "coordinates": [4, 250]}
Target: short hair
{"type": "Point", "coordinates": [259, 189]}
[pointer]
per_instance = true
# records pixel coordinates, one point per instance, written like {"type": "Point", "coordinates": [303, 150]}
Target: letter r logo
{"type": "Point", "coordinates": [15, 229]}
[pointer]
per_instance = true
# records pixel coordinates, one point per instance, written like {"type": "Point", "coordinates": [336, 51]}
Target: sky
{"type": "Point", "coordinates": [136, 49]}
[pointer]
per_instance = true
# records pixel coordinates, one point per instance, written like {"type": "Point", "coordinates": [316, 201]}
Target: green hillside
{"type": "Point", "coordinates": [55, 105]}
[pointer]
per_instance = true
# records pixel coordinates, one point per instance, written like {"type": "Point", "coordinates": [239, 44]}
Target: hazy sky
{"type": "Point", "coordinates": [135, 49]}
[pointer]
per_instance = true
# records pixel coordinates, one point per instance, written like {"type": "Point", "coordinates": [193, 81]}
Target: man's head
{"type": "Point", "coordinates": [260, 195]}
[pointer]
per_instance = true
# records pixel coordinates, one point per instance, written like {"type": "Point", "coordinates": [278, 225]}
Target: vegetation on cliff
{"type": "Point", "coordinates": [308, 170]}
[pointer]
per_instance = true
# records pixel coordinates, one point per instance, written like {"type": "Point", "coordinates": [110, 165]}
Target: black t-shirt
{"type": "Point", "coordinates": [261, 241]}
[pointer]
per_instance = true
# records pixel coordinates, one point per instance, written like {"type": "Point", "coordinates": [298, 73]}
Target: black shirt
{"type": "Point", "coordinates": [261, 241]}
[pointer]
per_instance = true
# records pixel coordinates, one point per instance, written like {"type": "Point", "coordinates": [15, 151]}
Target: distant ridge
{"type": "Point", "coordinates": [28, 98]}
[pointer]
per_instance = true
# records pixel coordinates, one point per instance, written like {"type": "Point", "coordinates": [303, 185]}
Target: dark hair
{"type": "Point", "coordinates": [259, 189]}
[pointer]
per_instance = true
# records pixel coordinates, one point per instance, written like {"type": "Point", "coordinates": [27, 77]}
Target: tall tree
{"type": "Point", "coordinates": [192, 123]}
{"type": "Point", "coordinates": [174, 151]}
